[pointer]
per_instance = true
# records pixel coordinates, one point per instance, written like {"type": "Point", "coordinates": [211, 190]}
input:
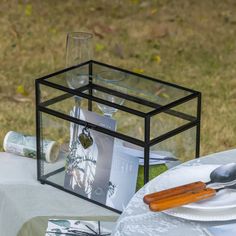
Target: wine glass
{"type": "Point", "coordinates": [112, 80]}
{"type": "Point", "coordinates": [78, 50]}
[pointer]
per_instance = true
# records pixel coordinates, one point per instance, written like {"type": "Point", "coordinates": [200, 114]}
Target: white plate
{"type": "Point", "coordinates": [224, 200]}
{"type": "Point", "coordinates": [199, 215]}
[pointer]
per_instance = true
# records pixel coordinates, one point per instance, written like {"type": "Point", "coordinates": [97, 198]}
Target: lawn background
{"type": "Point", "coordinates": [189, 42]}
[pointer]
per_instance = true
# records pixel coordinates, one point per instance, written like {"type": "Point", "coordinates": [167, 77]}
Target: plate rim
{"type": "Point", "coordinates": [200, 216]}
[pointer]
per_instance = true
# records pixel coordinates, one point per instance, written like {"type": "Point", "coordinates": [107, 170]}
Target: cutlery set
{"type": "Point", "coordinates": [223, 177]}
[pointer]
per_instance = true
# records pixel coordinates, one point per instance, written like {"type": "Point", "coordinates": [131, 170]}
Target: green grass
{"type": "Point", "coordinates": [154, 171]}
{"type": "Point", "coordinates": [194, 40]}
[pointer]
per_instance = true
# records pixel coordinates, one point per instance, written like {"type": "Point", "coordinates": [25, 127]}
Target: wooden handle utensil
{"type": "Point", "coordinates": [182, 199]}
{"type": "Point", "coordinates": [173, 192]}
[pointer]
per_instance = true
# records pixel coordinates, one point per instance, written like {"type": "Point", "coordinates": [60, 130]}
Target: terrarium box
{"type": "Point", "coordinates": [113, 129]}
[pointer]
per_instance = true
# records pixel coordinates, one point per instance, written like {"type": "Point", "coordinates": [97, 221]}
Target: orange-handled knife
{"type": "Point", "coordinates": [182, 199]}
{"type": "Point", "coordinates": [173, 192]}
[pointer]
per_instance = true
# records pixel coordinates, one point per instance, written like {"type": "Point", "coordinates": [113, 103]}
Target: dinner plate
{"type": "Point", "coordinates": [224, 199]}
{"type": "Point", "coordinates": [199, 215]}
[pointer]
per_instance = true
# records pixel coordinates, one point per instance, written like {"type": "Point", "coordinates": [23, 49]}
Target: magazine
{"type": "Point", "coordinates": [61, 227]}
{"type": "Point", "coordinates": [88, 170]}
{"type": "Point", "coordinates": [105, 172]}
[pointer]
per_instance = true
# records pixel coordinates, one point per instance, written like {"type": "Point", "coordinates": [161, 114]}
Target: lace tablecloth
{"type": "Point", "coordinates": [138, 220]}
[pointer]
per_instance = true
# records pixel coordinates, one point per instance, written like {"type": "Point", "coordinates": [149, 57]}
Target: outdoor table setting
{"type": "Point", "coordinates": [96, 122]}
{"type": "Point", "coordinates": [213, 216]}
{"type": "Point", "coordinates": [116, 118]}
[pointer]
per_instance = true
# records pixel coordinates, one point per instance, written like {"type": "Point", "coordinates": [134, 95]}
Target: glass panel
{"type": "Point", "coordinates": [139, 87]}
{"type": "Point", "coordinates": [48, 93]}
{"type": "Point", "coordinates": [173, 118]}
{"type": "Point", "coordinates": [57, 134]}
{"type": "Point", "coordinates": [60, 101]}
{"type": "Point", "coordinates": [119, 101]}
{"type": "Point", "coordinates": [93, 172]}
{"type": "Point", "coordinates": [73, 79]}
{"type": "Point", "coordinates": [172, 151]}
{"type": "Point", "coordinates": [134, 91]}
{"type": "Point", "coordinates": [126, 123]}
{"type": "Point", "coordinates": [89, 163]}
{"type": "Point", "coordinates": [188, 108]}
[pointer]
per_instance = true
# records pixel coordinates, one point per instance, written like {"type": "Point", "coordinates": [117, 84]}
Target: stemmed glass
{"type": "Point", "coordinates": [78, 50]}
{"type": "Point", "coordinates": [112, 80]}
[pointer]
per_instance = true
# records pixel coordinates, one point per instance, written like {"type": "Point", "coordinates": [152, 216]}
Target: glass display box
{"type": "Point", "coordinates": [111, 130]}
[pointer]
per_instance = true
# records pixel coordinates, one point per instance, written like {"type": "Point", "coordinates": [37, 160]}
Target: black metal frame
{"type": "Point", "coordinates": [146, 144]}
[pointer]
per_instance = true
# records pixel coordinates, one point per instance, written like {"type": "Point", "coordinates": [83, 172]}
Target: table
{"type": "Point", "coordinates": [139, 221]}
{"type": "Point", "coordinates": [26, 205]}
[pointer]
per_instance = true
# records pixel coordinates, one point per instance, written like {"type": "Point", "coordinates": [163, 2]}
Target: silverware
{"type": "Point", "coordinates": [224, 175]}
{"type": "Point", "coordinates": [186, 198]}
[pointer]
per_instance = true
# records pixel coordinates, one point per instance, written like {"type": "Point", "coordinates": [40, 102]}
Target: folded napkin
{"type": "Point", "coordinates": [60, 227]}
{"type": "Point", "coordinates": [227, 230]}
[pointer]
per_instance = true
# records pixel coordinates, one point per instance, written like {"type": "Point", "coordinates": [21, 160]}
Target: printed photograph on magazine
{"type": "Point", "coordinates": [94, 172]}
{"type": "Point", "coordinates": [63, 227]}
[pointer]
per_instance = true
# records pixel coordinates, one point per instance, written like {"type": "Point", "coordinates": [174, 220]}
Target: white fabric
{"type": "Point", "coordinates": [22, 197]}
{"type": "Point", "coordinates": [138, 220]}
{"type": "Point", "coordinates": [227, 230]}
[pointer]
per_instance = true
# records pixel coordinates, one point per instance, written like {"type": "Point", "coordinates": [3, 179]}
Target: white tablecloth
{"type": "Point", "coordinates": [22, 197]}
{"type": "Point", "coordinates": [138, 220]}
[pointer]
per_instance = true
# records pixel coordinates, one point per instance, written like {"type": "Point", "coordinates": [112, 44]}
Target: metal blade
{"type": "Point", "coordinates": [218, 188]}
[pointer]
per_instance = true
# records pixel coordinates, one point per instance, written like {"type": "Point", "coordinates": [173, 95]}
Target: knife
{"type": "Point", "coordinates": [186, 198]}
{"type": "Point", "coordinates": [172, 192]}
